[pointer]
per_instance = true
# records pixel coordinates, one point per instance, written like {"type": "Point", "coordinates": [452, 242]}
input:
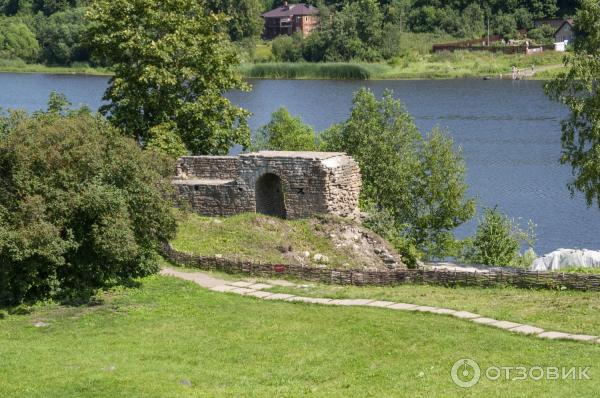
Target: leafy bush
{"type": "Point", "coordinates": [498, 241]}
{"type": "Point", "coordinates": [543, 34]}
{"type": "Point", "coordinates": [287, 48]}
{"type": "Point", "coordinates": [80, 206]}
{"type": "Point", "coordinates": [383, 223]}
{"type": "Point", "coordinates": [285, 133]}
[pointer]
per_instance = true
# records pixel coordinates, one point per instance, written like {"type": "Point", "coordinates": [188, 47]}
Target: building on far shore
{"type": "Point", "coordinates": [554, 22]}
{"type": "Point", "coordinates": [565, 32]}
{"type": "Point", "coordinates": [291, 18]}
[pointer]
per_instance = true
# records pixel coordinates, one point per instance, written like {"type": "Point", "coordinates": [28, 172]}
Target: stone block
{"type": "Point", "coordinates": [527, 329]}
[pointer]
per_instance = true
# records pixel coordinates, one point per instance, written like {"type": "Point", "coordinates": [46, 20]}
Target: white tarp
{"type": "Point", "coordinates": [567, 258]}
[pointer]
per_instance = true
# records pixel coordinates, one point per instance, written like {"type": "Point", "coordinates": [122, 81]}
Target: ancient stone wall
{"type": "Point", "coordinates": [223, 199]}
{"type": "Point", "coordinates": [285, 184]}
{"type": "Point", "coordinates": [303, 182]}
{"type": "Point", "coordinates": [208, 167]}
{"type": "Point", "coordinates": [343, 185]}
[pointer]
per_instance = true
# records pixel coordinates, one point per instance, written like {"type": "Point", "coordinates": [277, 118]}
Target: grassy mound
{"type": "Point", "coordinates": [257, 237]}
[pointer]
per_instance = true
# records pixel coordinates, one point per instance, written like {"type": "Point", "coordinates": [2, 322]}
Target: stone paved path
{"type": "Point", "coordinates": [257, 290]}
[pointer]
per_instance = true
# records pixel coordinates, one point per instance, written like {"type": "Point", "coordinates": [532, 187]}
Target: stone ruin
{"type": "Point", "coordinates": [284, 184]}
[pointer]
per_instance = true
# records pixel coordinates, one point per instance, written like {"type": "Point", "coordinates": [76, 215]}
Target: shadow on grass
{"type": "Point", "coordinates": [76, 298]}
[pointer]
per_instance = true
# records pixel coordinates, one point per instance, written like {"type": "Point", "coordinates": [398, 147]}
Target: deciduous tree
{"type": "Point", "coordinates": [173, 62]}
{"type": "Point", "coordinates": [419, 182]}
{"type": "Point", "coordinates": [578, 89]}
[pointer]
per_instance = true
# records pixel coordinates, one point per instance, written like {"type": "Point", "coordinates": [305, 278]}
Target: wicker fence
{"type": "Point", "coordinates": [517, 278]}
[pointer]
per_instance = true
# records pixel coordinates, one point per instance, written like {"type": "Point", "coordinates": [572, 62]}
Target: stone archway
{"type": "Point", "coordinates": [270, 198]}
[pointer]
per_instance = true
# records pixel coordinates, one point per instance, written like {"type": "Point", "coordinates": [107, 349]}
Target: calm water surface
{"type": "Point", "coordinates": [509, 132]}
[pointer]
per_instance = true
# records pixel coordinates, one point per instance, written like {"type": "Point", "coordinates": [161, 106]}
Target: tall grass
{"type": "Point", "coordinates": [15, 65]}
{"type": "Point", "coordinates": [305, 70]}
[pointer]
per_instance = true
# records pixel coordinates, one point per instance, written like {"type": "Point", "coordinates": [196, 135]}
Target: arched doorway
{"type": "Point", "coordinates": [270, 196]}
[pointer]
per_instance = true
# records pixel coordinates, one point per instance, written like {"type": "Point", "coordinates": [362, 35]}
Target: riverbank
{"type": "Point", "coordinates": [455, 65]}
{"type": "Point", "coordinates": [432, 66]}
{"type": "Point", "coordinates": [18, 66]}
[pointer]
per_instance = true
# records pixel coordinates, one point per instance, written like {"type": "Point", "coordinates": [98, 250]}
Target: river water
{"type": "Point", "coordinates": [509, 132]}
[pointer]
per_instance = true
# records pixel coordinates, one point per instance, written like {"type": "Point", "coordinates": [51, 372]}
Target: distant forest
{"type": "Point", "coordinates": [52, 31]}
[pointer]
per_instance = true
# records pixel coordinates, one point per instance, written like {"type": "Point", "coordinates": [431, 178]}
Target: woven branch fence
{"type": "Point", "coordinates": [512, 277]}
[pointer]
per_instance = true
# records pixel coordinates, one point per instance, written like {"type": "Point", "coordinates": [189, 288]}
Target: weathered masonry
{"type": "Point", "coordinates": [284, 184]}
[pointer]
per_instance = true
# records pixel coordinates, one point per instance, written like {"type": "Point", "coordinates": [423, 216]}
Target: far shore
{"type": "Point", "coordinates": [421, 70]}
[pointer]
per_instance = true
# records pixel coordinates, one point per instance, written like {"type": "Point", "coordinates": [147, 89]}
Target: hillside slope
{"type": "Point", "coordinates": [320, 241]}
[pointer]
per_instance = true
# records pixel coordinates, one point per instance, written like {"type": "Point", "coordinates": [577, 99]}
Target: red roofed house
{"type": "Point", "coordinates": [289, 19]}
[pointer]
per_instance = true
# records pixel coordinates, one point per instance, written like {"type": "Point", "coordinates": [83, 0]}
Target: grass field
{"type": "Point", "coordinates": [575, 312]}
{"type": "Point", "coordinates": [170, 338]}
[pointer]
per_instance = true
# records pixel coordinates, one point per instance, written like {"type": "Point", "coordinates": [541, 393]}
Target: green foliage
{"type": "Point", "coordinates": [80, 206]}
{"type": "Point", "coordinates": [50, 7]}
{"type": "Point", "coordinates": [17, 40]}
{"type": "Point", "coordinates": [172, 66]}
{"type": "Point", "coordinates": [498, 241]}
{"type": "Point", "coordinates": [577, 88]}
{"type": "Point", "coordinates": [543, 34]}
{"type": "Point", "coordinates": [287, 48]}
{"type": "Point", "coordinates": [61, 37]}
{"type": "Point", "coordinates": [163, 138]}
{"type": "Point", "coordinates": [505, 25]}
{"type": "Point", "coordinates": [353, 33]}
{"type": "Point", "coordinates": [285, 133]}
{"type": "Point", "coordinates": [383, 223]}
{"type": "Point", "coordinates": [244, 17]}
{"type": "Point", "coordinates": [420, 182]}
{"type": "Point", "coordinates": [467, 18]}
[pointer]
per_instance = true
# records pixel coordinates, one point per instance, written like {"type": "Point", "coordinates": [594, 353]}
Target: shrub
{"type": "Point", "coordinates": [80, 207]}
{"type": "Point", "coordinates": [543, 34]}
{"type": "Point", "coordinates": [498, 241]}
{"type": "Point", "coordinates": [285, 133]}
{"type": "Point", "coordinates": [383, 223]}
{"type": "Point", "coordinates": [287, 48]}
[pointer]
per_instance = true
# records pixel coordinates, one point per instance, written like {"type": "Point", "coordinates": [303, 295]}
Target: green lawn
{"type": "Point", "coordinates": [146, 341]}
{"type": "Point", "coordinates": [570, 311]}
{"type": "Point", "coordinates": [258, 237]}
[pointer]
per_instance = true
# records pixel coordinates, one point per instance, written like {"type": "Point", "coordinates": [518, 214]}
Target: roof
{"type": "Point", "coordinates": [201, 181]}
{"type": "Point", "coordinates": [554, 22]}
{"type": "Point", "coordinates": [569, 21]}
{"type": "Point", "coordinates": [291, 10]}
{"type": "Point", "coordinates": [293, 155]}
